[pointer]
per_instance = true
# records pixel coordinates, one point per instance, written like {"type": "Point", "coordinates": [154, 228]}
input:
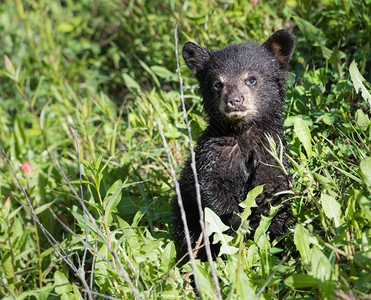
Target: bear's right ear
{"type": "Point", "coordinates": [195, 56]}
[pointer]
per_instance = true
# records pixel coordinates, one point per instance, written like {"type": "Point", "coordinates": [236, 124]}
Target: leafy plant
{"type": "Point", "coordinates": [84, 85]}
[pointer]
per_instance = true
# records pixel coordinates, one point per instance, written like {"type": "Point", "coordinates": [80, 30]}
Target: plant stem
{"type": "Point", "coordinates": [11, 251]}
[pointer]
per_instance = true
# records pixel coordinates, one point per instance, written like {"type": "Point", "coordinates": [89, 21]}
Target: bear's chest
{"type": "Point", "coordinates": [223, 159]}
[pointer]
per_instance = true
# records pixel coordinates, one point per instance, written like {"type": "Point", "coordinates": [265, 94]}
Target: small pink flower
{"type": "Point", "coordinates": [25, 167]}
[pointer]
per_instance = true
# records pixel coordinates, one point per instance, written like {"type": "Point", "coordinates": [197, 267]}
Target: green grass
{"type": "Point", "coordinates": [107, 69]}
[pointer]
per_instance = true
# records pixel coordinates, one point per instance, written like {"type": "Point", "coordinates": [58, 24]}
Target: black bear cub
{"type": "Point", "coordinates": [242, 88]}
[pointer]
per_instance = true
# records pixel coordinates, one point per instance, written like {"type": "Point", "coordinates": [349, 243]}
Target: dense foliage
{"type": "Point", "coordinates": [91, 81]}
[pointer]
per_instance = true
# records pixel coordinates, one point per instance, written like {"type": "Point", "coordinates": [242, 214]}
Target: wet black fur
{"type": "Point", "coordinates": [230, 156]}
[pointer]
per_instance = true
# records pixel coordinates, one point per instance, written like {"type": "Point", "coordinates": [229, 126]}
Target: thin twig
{"type": "Point", "coordinates": [94, 257]}
{"type": "Point", "coordinates": [47, 234]}
{"type": "Point", "coordinates": [181, 207]}
{"type": "Point", "coordinates": [54, 243]}
{"type": "Point", "coordinates": [196, 249]}
{"type": "Point", "coordinates": [102, 295]}
{"type": "Point", "coordinates": [193, 166]}
{"type": "Point", "coordinates": [93, 249]}
{"type": "Point", "coordinates": [6, 287]}
{"type": "Point", "coordinates": [74, 131]}
{"type": "Point", "coordinates": [270, 277]}
{"type": "Point", "coordinates": [121, 271]}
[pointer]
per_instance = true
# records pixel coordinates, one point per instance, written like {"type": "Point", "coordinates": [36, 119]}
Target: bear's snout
{"type": "Point", "coordinates": [234, 101]}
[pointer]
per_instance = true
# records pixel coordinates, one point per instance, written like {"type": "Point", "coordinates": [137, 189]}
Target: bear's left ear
{"type": "Point", "coordinates": [281, 44]}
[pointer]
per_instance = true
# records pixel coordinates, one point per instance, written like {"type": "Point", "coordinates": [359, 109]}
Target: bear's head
{"type": "Point", "coordinates": [243, 83]}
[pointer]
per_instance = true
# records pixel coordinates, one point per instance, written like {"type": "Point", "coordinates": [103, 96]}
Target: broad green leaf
{"type": "Point", "coordinates": [114, 198]}
{"type": "Point", "coordinates": [167, 259]}
{"type": "Point", "coordinates": [216, 226]}
{"type": "Point", "coordinates": [365, 167]}
{"type": "Point", "coordinates": [321, 266]}
{"type": "Point", "coordinates": [6, 265]}
{"type": "Point", "coordinates": [357, 80]}
{"type": "Point", "coordinates": [80, 219]}
{"type": "Point", "coordinates": [14, 212]}
{"type": "Point", "coordinates": [41, 208]}
{"type": "Point", "coordinates": [101, 264]}
{"type": "Point", "coordinates": [252, 256]}
{"type": "Point", "coordinates": [314, 33]}
{"type": "Point", "coordinates": [76, 293]}
{"type": "Point", "coordinates": [245, 290]}
{"type": "Point", "coordinates": [130, 83]}
{"type": "Point", "coordinates": [364, 205]}
{"type": "Point", "coordinates": [362, 119]}
{"type": "Point", "coordinates": [331, 208]}
{"type": "Point", "coordinates": [248, 203]}
{"type": "Point", "coordinates": [303, 133]}
{"type": "Point", "coordinates": [65, 27]}
{"type": "Point", "coordinates": [326, 182]}
{"type": "Point", "coordinates": [301, 281]}
{"type": "Point", "coordinates": [206, 283]}
{"type": "Point", "coordinates": [264, 224]}
{"type": "Point", "coordinates": [301, 240]}
{"type": "Point", "coordinates": [329, 118]}
{"type": "Point", "coordinates": [39, 294]}
{"type": "Point", "coordinates": [62, 285]}
{"type": "Point", "coordinates": [162, 72]}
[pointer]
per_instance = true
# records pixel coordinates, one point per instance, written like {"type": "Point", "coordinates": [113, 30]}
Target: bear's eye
{"type": "Point", "coordinates": [251, 81]}
{"type": "Point", "coordinates": [218, 86]}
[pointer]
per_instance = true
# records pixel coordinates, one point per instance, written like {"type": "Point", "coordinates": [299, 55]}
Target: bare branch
{"type": "Point", "coordinates": [193, 166]}
{"type": "Point", "coordinates": [121, 271]}
{"type": "Point", "coordinates": [82, 195]}
{"type": "Point", "coordinates": [270, 277]}
{"type": "Point", "coordinates": [6, 287]}
{"type": "Point", "coordinates": [180, 203]}
{"type": "Point", "coordinates": [47, 234]}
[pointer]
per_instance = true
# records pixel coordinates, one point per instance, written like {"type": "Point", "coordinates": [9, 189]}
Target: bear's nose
{"type": "Point", "coordinates": [234, 101]}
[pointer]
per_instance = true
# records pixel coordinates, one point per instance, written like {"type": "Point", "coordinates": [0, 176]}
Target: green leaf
{"type": "Point", "coordinates": [315, 34]}
{"type": "Point", "coordinates": [114, 199]}
{"type": "Point", "coordinates": [264, 224]}
{"type": "Point", "coordinates": [248, 203]}
{"type": "Point", "coordinates": [168, 256]}
{"type": "Point", "coordinates": [6, 265]}
{"type": "Point", "coordinates": [14, 213]}
{"type": "Point", "coordinates": [65, 27]}
{"type": "Point", "coordinates": [206, 284]}
{"type": "Point", "coordinates": [364, 205]}
{"type": "Point", "coordinates": [301, 281]}
{"type": "Point", "coordinates": [162, 72]}
{"type": "Point", "coordinates": [321, 266]}
{"type": "Point", "coordinates": [76, 293]}
{"type": "Point", "coordinates": [362, 119]}
{"type": "Point", "coordinates": [303, 133]}
{"type": "Point", "coordinates": [216, 226]}
{"type": "Point", "coordinates": [365, 168]}
{"type": "Point", "coordinates": [245, 291]}
{"type": "Point", "coordinates": [62, 285]}
{"type": "Point", "coordinates": [326, 182]}
{"type": "Point", "coordinates": [331, 208]}
{"type": "Point", "coordinates": [301, 240]}
{"type": "Point", "coordinates": [41, 208]}
{"type": "Point", "coordinates": [130, 83]}
{"type": "Point", "coordinates": [357, 80]}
